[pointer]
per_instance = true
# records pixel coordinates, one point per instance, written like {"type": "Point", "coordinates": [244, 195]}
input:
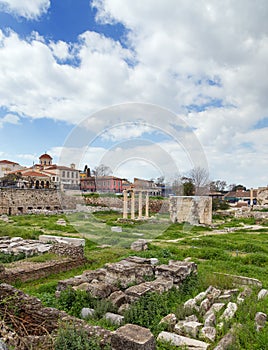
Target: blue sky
{"type": "Point", "coordinates": [65, 64]}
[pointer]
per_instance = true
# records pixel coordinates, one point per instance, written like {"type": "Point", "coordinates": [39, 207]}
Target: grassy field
{"type": "Point", "coordinates": [218, 249]}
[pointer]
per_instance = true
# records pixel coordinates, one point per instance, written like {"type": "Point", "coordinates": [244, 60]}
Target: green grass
{"type": "Point", "coordinates": [243, 252]}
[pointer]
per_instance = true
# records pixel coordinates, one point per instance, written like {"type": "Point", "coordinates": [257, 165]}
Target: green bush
{"type": "Point", "coordinates": [8, 258]}
{"type": "Point", "coordinates": [73, 301]}
{"type": "Point", "coordinates": [71, 338]}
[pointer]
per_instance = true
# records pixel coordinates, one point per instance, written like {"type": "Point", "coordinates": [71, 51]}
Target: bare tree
{"type": "Point", "coordinates": [102, 170]}
{"type": "Point", "coordinates": [200, 179]}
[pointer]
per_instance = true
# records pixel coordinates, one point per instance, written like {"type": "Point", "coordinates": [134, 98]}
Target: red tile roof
{"type": "Point", "coordinates": [8, 162]}
{"type": "Point", "coordinates": [45, 156]}
{"type": "Point", "coordinates": [34, 174]}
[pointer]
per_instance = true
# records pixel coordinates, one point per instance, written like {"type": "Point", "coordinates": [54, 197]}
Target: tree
{"type": "Point", "coordinates": [102, 170]}
{"type": "Point", "coordinates": [200, 179]}
{"type": "Point", "coordinates": [234, 188]}
{"type": "Point", "coordinates": [217, 185]}
{"type": "Point", "coordinates": [188, 187]}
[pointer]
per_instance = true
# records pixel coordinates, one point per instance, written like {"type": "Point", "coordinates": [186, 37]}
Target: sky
{"type": "Point", "coordinates": [150, 88]}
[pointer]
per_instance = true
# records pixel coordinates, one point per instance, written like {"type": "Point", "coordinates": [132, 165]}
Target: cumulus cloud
{"type": "Point", "coordinates": [25, 8]}
{"type": "Point", "coordinates": [10, 119]}
{"type": "Point", "coordinates": [207, 63]}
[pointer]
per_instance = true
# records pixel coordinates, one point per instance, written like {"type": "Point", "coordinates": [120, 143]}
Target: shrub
{"type": "Point", "coordinates": [71, 338]}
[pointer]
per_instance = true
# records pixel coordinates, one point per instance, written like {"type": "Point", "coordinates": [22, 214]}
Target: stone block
{"type": "Point", "coordinates": [179, 340]}
{"type": "Point", "coordinates": [260, 320]}
{"type": "Point", "coordinates": [132, 337]}
{"type": "Point", "coordinates": [139, 245]}
{"type": "Point", "coordinates": [262, 294]}
{"type": "Point", "coordinates": [170, 320]}
{"type": "Point", "coordinates": [189, 328]}
{"type": "Point", "coordinates": [116, 228]}
{"type": "Point", "coordinates": [59, 239]}
{"type": "Point", "coordinates": [229, 312]}
{"type": "Point", "coordinates": [114, 318]}
{"type": "Point", "coordinates": [118, 298]}
{"type": "Point", "coordinates": [208, 333]}
{"type": "Point", "coordinates": [87, 312]}
{"type": "Point", "coordinates": [126, 272]}
{"type": "Point", "coordinates": [177, 270]}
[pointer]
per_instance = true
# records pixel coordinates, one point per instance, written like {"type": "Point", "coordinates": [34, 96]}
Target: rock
{"type": "Point", "coordinates": [139, 245]}
{"type": "Point", "coordinates": [170, 320]}
{"type": "Point", "coordinates": [225, 297]}
{"type": "Point", "coordinates": [100, 289]}
{"type": "Point", "coordinates": [191, 318]}
{"type": "Point", "coordinates": [128, 271]}
{"type": "Point", "coordinates": [192, 328]}
{"type": "Point", "coordinates": [132, 337]}
{"type": "Point", "coordinates": [86, 312]}
{"type": "Point", "coordinates": [82, 286]}
{"type": "Point", "coordinates": [210, 319]}
{"type": "Point", "coordinates": [208, 333]}
{"type": "Point", "coordinates": [116, 228]}
{"type": "Point", "coordinates": [213, 292]}
{"type": "Point", "coordinates": [123, 308]}
{"type": "Point", "coordinates": [229, 311]}
{"type": "Point", "coordinates": [260, 320]}
{"type": "Point", "coordinates": [114, 318]}
{"type": "Point", "coordinates": [61, 222]}
{"type": "Point", "coordinates": [179, 340]}
{"type": "Point", "coordinates": [262, 294]}
{"type": "Point", "coordinates": [217, 307]}
{"type": "Point", "coordinates": [245, 293]}
{"type": "Point", "coordinates": [190, 304]}
{"type": "Point", "coordinates": [199, 297]}
{"type": "Point", "coordinates": [227, 340]}
{"type": "Point", "coordinates": [154, 261]}
{"type": "Point", "coordinates": [118, 298]}
{"type": "Point", "coordinates": [177, 270]}
{"type": "Point", "coordinates": [205, 305]}
{"type": "Point", "coordinates": [67, 240]}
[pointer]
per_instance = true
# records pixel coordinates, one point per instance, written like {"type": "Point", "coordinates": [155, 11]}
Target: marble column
{"type": "Point", "coordinates": [147, 206]}
{"type": "Point", "coordinates": [125, 204]}
{"type": "Point", "coordinates": [140, 205]}
{"type": "Point", "coordinates": [132, 205]}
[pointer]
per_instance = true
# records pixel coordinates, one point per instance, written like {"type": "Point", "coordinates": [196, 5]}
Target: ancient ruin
{"type": "Point", "coordinates": [192, 209]}
{"type": "Point", "coordinates": [133, 202]}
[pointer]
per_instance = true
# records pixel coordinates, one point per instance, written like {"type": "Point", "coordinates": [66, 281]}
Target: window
{"type": "Point", "coordinates": [68, 174]}
{"type": "Point", "coordinates": [72, 174]}
{"type": "Point", "coordinates": [63, 173]}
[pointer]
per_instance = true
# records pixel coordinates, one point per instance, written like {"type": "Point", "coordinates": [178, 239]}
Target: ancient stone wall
{"type": "Point", "coordinates": [21, 201]}
{"type": "Point", "coordinates": [155, 205]}
{"type": "Point", "coordinates": [35, 271]}
{"type": "Point", "coordinates": [30, 323]}
{"type": "Point", "coordinates": [194, 210]}
{"type": "Point", "coordinates": [262, 196]}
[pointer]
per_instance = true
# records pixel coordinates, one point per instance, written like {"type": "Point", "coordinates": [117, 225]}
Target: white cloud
{"type": "Point", "coordinates": [25, 8]}
{"type": "Point", "coordinates": [176, 55]}
{"type": "Point", "coordinates": [10, 119]}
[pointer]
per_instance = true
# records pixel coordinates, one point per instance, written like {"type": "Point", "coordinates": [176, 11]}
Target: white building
{"type": "Point", "coordinates": [6, 166]}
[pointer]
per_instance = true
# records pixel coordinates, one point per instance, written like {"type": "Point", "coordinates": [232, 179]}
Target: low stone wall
{"type": "Point", "coordinates": [26, 272]}
{"type": "Point", "coordinates": [26, 323]}
{"type": "Point", "coordinates": [155, 205]}
{"type": "Point", "coordinates": [248, 213]}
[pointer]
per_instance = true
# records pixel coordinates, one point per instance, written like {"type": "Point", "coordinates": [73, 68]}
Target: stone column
{"type": "Point", "coordinates": [125, 204]}
{"type": "Point", "coordinates": [132, 205]}
{"type": "Point", "coordinates": [251, 197]}
{"type": "Point", "coordinates": [140, 205]}
{"type": "Point", "coordinates": [147, 206]}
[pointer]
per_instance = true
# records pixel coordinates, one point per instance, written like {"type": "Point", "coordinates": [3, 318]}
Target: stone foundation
{"type": "Point", "coordinates": [194, 210]}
